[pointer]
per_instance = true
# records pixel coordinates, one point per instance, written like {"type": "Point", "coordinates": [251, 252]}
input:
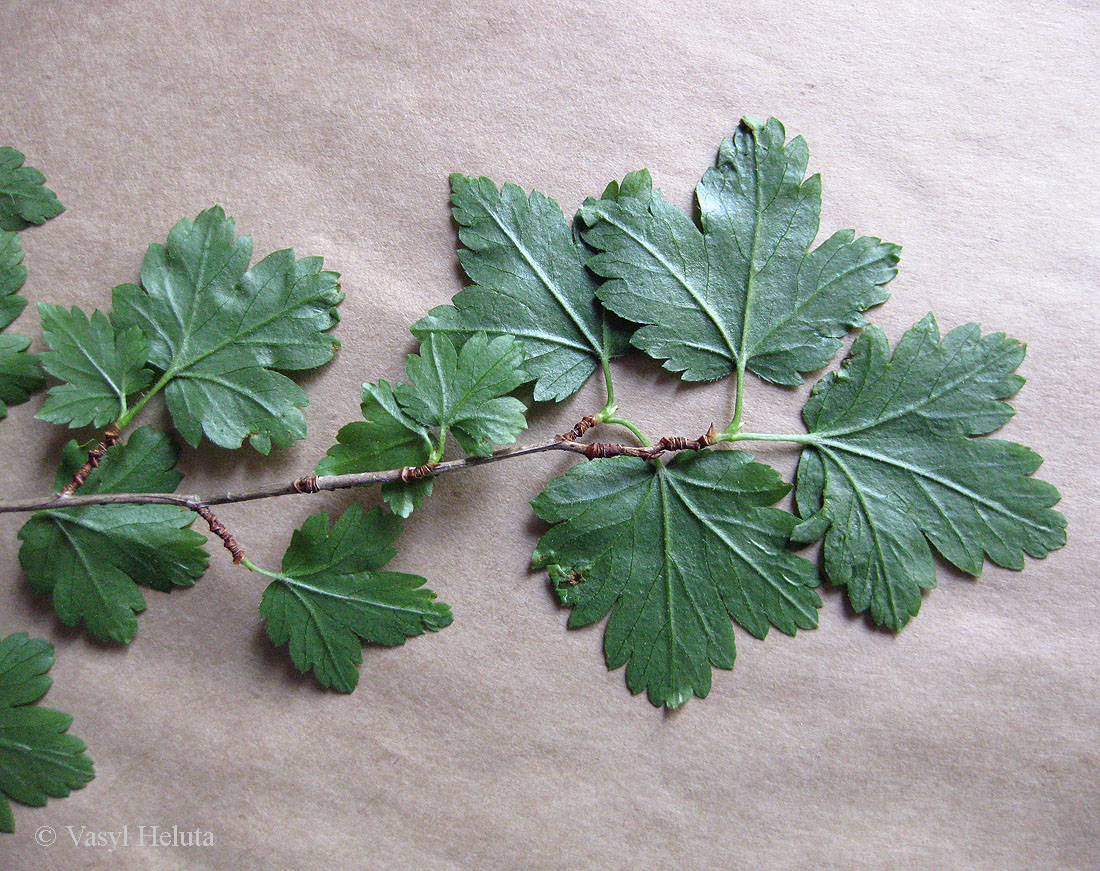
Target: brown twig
{"type": "Point", "coordinates": [418, 473]}
{"type": "Point", "coordinates": [110, 438]}
{"type": "Point", "coordinates": [319, 483]}
{"type": "Point", "coordinates": [668, 444]}
{"type": "Point", "coordinates": [582, 426]}
{"type": "Point", "coordinates": [218, 529]}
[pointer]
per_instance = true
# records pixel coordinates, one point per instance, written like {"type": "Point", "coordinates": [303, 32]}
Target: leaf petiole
{"type": "Point", "coordinates": [739, 395]}
{"type": "Point", "coordinates": [437, 452]}
{"type": "Point", "coordinates": [623, 422]}
{"type": "Point", "coordinates": [609, 407]}
{"type": "Point", "coordinates": [252, 567]}
{"type": "Point", "coordinates": [129, 414]}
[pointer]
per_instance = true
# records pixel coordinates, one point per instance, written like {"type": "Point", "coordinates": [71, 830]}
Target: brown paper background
{"type": "Point", "coordinates": [965, 131]}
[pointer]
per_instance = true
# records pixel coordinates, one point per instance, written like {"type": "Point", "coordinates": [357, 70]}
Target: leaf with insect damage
{"type": "Point", "coordinates": [670, 553]}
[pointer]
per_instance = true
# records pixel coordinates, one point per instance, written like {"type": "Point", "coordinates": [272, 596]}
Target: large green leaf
{"type": "Point", "coordinates": [99, 366]}
{"type": "Point", "coordinates": [24, 197]}
{"type": "Point", "coordinates": [387, 438]}
{"type": "Point", "coordinates": [673, 552]}
{"type": "Point", "coordinates": [221, 332]}
{"type": "Point", "coordinates": [464, 391]}
{"type": "Point", "coordinates": [892, 466]}
{"type": "Point", "coordinates": [331, 594]}
{"type": "Point", "coordinates": [529, 282]}
{"type": "Point", "coordinates": [92, 559]}
{"type": "Point", "coordinates": [38, 760]}
{"type": "Point", "coordinates": [744, 291]}
{"type": "Point", "coordinates": [20, 373]}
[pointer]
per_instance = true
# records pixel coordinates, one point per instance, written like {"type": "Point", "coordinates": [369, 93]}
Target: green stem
{"type": "Point", "coordinates": [623, 422]}
{"type": "Point", "coordinates": [609, 406]}
{"type": "Point", "coordinates": [127, 416]}
{"type": "Point", "coordinates": [739, 388]}
{"type": "Point", "coordinates": [252, 567]}
{"type": "Point", "coordinates": [437, 452]}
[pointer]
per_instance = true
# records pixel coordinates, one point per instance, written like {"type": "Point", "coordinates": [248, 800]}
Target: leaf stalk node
{"type": "Point", "coordinates": [306, 484]}
{"type": "Point", "coordinates": [579, 429]}
{"type": "Point", "coordinates": [417, 473]}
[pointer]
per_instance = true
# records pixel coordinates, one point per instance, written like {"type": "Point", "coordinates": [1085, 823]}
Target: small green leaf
{"type": "Point", "coordinates": [92, 559]}
{"type": "Point", "coordinates": [744, 290]}
{"type": "Point", "coordinates": [332, 594]}
{"type": "Point", "coordinates": [529, 282]}
{"type": "Point", "coordinates": [386, 439]}
{"type": "Point", "coordinates": [20, 373]}
{"type": "Point", "coordinates": [892, 466]}
{"type": "Point", "coordinates": [464, 391]}
{"type": "Point", "coordinates": [24, 197]}
{"type": "Point", "coordinates": [672, 553]}
{"type": "Point", "coordinates": [222, 333]}
{"type": "Point", "coordinates": [100, 367]}
{"type": "Point", "coordinates": [38, 760]}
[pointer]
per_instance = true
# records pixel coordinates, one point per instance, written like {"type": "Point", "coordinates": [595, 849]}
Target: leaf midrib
{"type": "Point", "coordinates": [561, 300]}
{"type": "Point", "coordinates": [829, 447]}
{"type": "Point", "coordinates": [330, 594]}
{"type": "Point", "coordinates": [680, 279]}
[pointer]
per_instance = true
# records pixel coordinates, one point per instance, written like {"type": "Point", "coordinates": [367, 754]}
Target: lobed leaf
{"type": "Point", "coordinates": [463, 392]}
{"type": "Point", "coordinates": [222, 333]}
{"type": "Point", "coordinates": [331, 596]}
{"type": "Point", "coordinates": [100, 367]}
{"type": "Point", "coordinates": [387, 438]}
{"type": "Point", "coordinates": [742, 291]}
{"type": "Point", "coordinates": [20, 372]}
{"type": "Point", "coordinates": [529, 282]}
{"type": "Point", "coordinates": [92, 559]}
{"type": "Point", "coordinates": [672, 553]}
{"type": "Point", "coordinates": [892, 466]}
{"type": "Point", "coordinates": [38, 760]}
{"type": "Point", "coordinates": [24, 197]}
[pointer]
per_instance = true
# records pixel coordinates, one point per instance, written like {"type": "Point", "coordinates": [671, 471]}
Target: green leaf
{"type": "Point", "coordinates": [38, 760]}
{"type": "Point", "coordinates": [387, 439]}
{"type": "Point", "coordinates": [91, 559]}
{"type": "Point", "coordinates": [743, 291]}
{"type": "Point", "coordinates": [529, 282]}
{"type": "Point", "coordinates": [463, 392]}
{"type": "Point", "coordinates": [673, 552]}
{"type": "Point", "coordinates": [219, 331]}
{"type": "Point", "coordinates": [24, 197]}
{"type": "Point", "coordinates": [20, 373]}
{"type": "Point", "coordinates": [892, 467]}
{"type": "Point", "coordinates": [100, 367]}
{"type": "Point", "coordinates": [331, 594]}
{"type": "Point", "coordinates": [636, 185]}
{"type": "Point", "coordinates": [12, 276]}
